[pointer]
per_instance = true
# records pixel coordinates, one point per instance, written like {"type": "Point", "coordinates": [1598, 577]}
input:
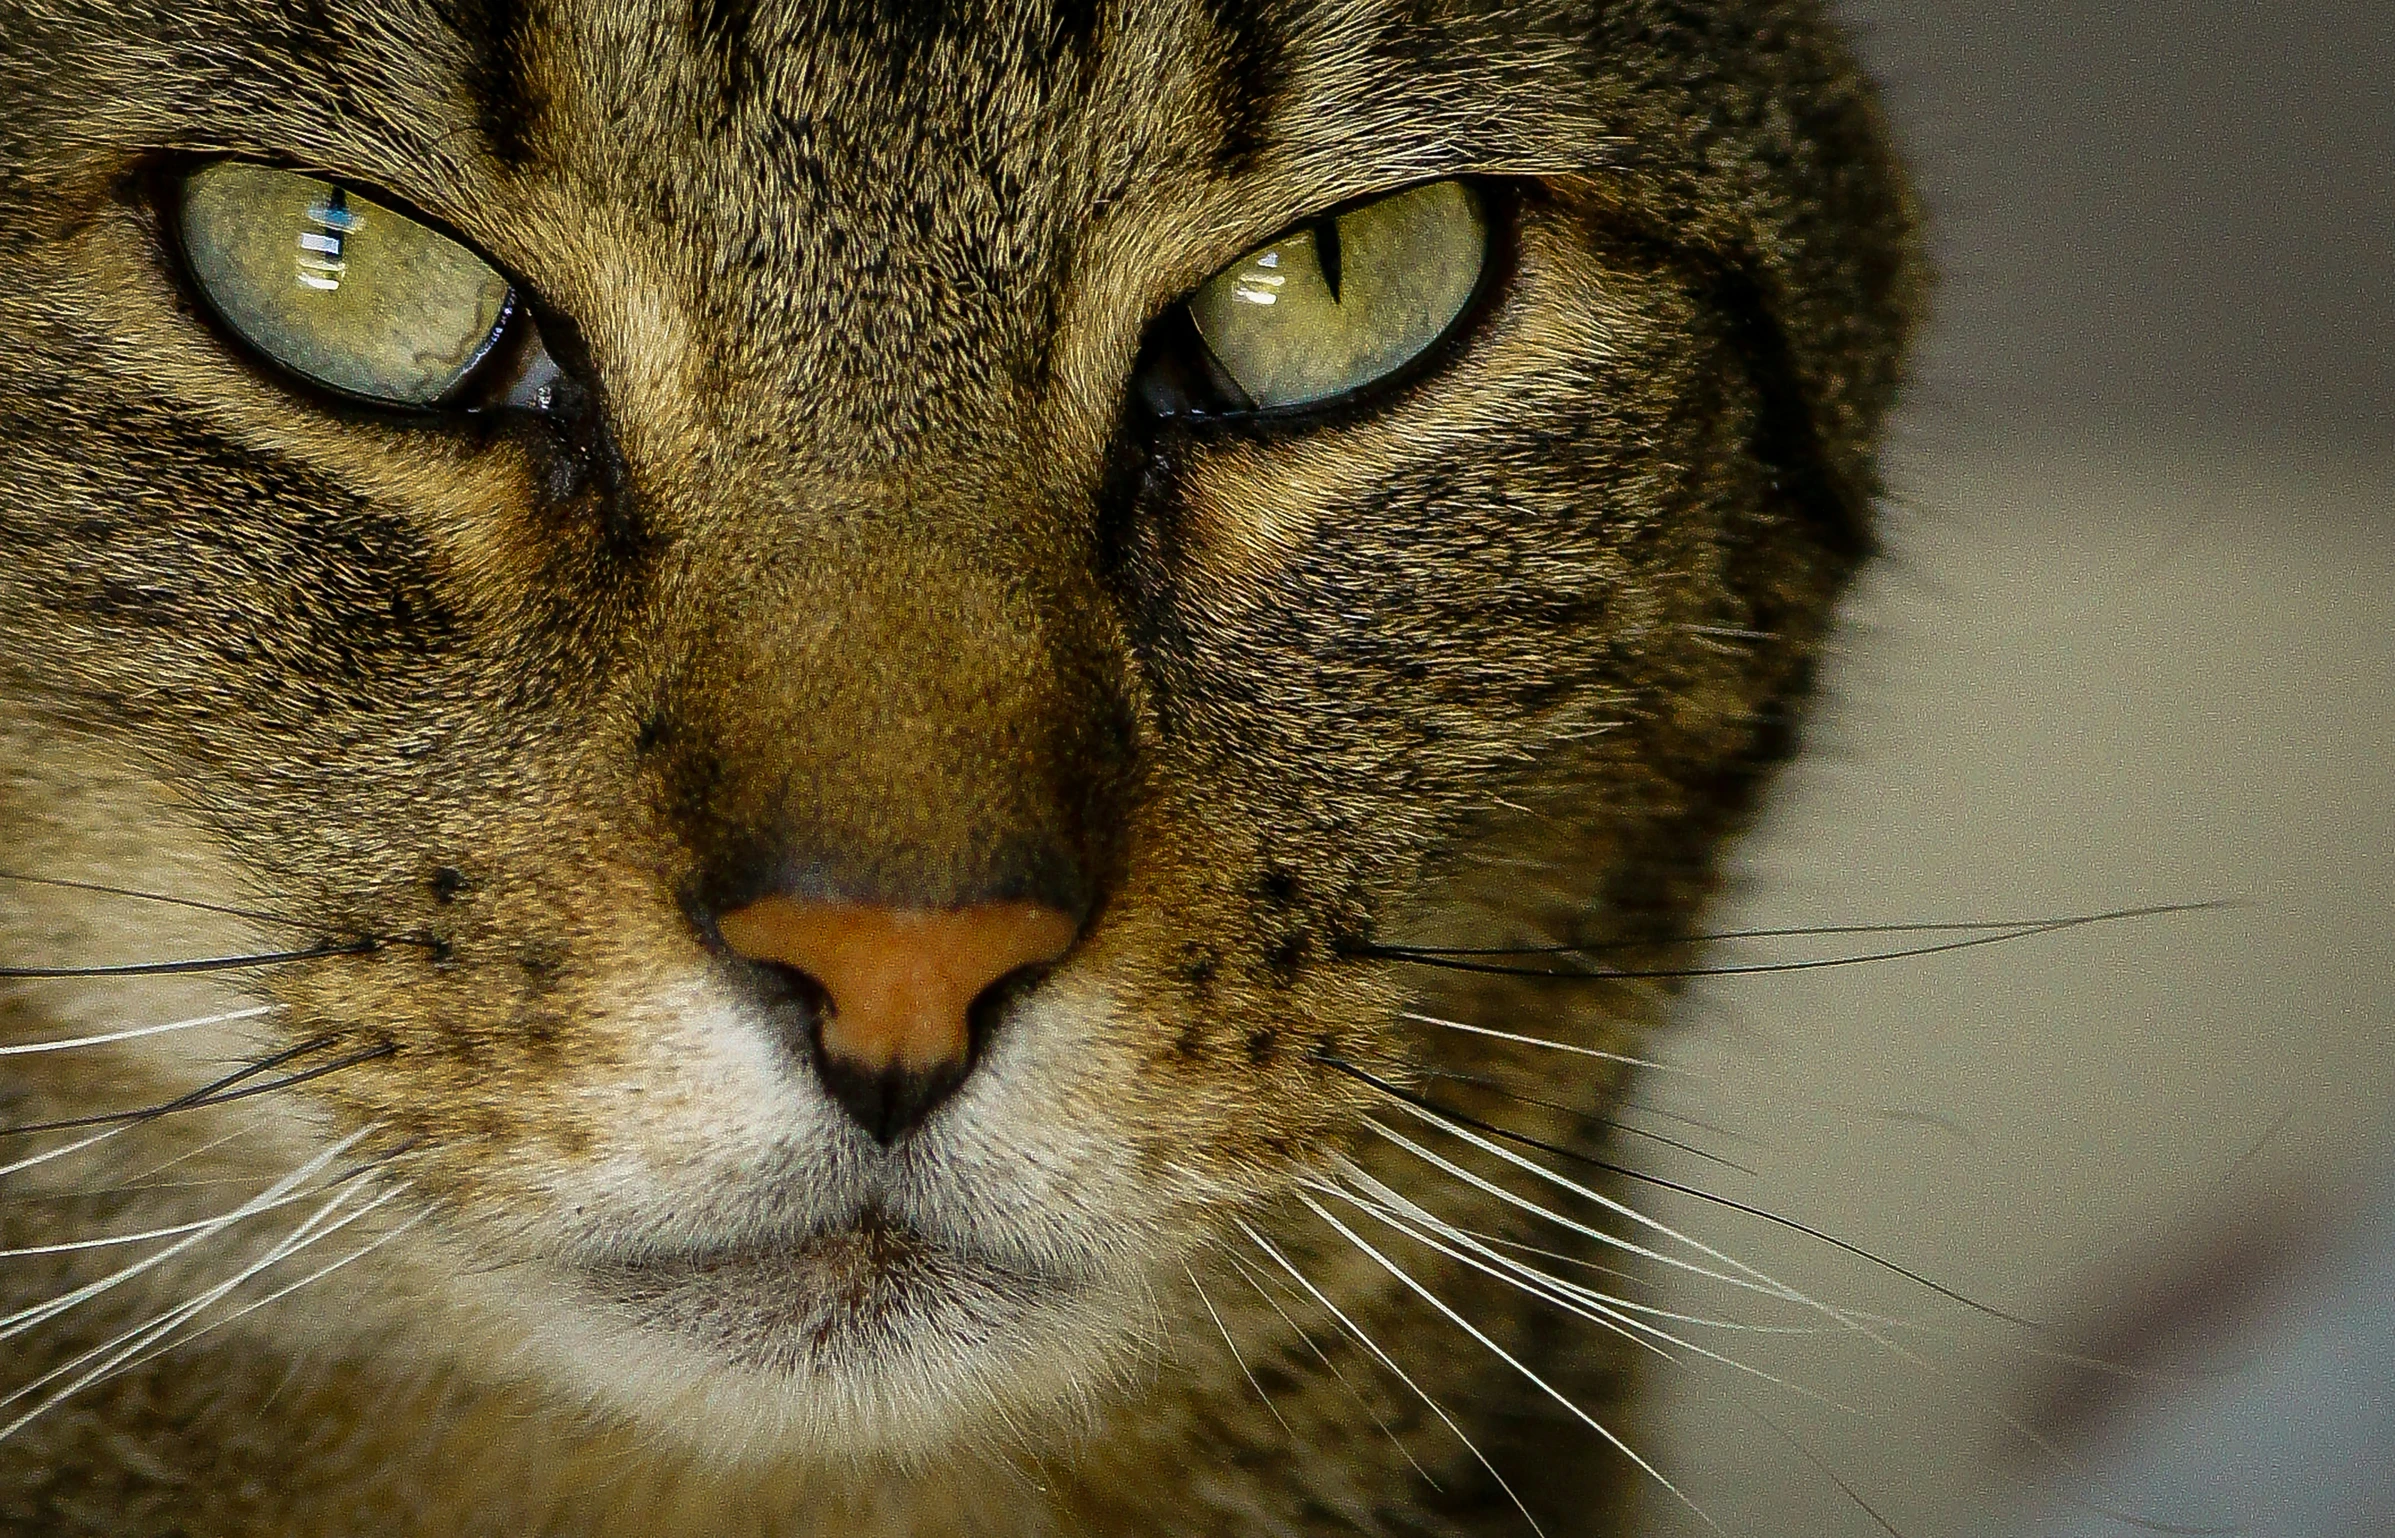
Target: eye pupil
{"type": "Point", "coordinates": [1326, 254]}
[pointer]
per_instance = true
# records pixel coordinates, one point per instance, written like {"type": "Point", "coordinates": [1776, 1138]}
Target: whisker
{"type": "Point", "coordinates": [1275, 1410]}
{"type": "Point", "coordinates": [1256, 1279]}
{"type": "Point", "coordinates": [218, 1093]}
{"type": "Point", "coordinates": [83, 1143]}
{"type": "Point", "coordinates": [1355, 1330]}
{"type": "Point", "coordinates": [1456, 962]}
{"type": "Point", "coordinates": [1654, 1065]}
{"type": "Point", "coordinates": [25, 1318]}
{"type": "Point", "coordinates": [1604, 1305]}
{"type": "Point", "coordinates": [1749, 1278]}
{"type": "Point", "coordinates": [110, 1241]}
{"type": "Point", "coordinates": [1600, 1054]}
{"type": "Point", "coordinates": [1649, 1108]}
{"type": "Point", "coordinates": [1432, 1108]}
{"type": "Point", "coordinates": [1756, 1283]}
{"type": "Point", "coordinates": [246, 1071]}
{"type": "Point", "coordinates": [255, 1120]}
{"type": "Point", "coordinates": [62, 1151]}
{"type": "Point", "coordinates": [1816, 931]}
{"type": "Point", "coordinates": [1408, 1218]}
{"type": "Point", "coordinates": [1507, 1357]}
{"type": "Point", "coordinates": [1854, 1322]}
{"type": "Point", "coordinates": [1652, 1310]}
{"type": "Point", "coordinates": [359, 947]}
{"type": "Point", "coordinates": [1500, 1087]}
{"type": "Point", "coordinates": [155, 897]}
{"type": "Point", "coordinates": [1822, 1466]}
{"type": "Point", "coordinates": [140, 1338]}
{"type": "Point", "coordinates": [158, 1325]}
{"type": "Point", "coordinates": [289, 1288]}
{"type": "Point", "coordinates": [70, 1043]}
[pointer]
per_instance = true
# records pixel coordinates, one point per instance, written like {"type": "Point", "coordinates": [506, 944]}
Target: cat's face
{"type": "Point", "coordinates": [865, 548]}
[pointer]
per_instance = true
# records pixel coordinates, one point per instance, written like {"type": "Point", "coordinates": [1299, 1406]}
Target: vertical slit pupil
{"type": "Point", "coordinates": [1326, 253]}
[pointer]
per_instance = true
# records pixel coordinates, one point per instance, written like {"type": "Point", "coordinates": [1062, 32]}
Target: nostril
{"type": "Point", "coordinates": [988, 1010]}
{"type": "Point", "coordinates": [897, 998]}
{"type": "Point", "coordinates": [888, 1104]}
{"type": "Point", "coordinates": [793, 987]}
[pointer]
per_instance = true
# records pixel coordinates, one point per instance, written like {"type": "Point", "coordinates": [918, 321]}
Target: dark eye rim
{"type": "Point", "coordinates": [1500, 202]}
{"type": "Point", "coordinates": [511, 338]}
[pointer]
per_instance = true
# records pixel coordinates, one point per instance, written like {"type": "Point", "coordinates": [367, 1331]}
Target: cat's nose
{"type": "Point", "coordinates": [897, 989]}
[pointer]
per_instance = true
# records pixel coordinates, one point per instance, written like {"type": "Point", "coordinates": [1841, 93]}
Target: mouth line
{"type": "Point", "coordinates": [830, 1301]}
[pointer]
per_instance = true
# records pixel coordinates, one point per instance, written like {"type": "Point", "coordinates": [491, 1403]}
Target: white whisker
{"type": "Point", "coordinates": [1615, 1241]}
{"type": "Point", "coordinates": [289, 1288]}
{"type": "Point", "coordinates": [147, 1334]}
{"type": "Point", "coordinates": [68, 1044]}
{"type": "Point", "coordinates": [1571, 1297]}
{"type": "Point", "coordinates": [1235, 1356]}
{"type": "Point", "coordinates": [135, 1337]}
{"type": "Point", "coordinates": [1508, 1358]}
{"type": "Point", "coordinates": [26, 1318]}
{"type": "Point", "coordinates": [61, 1152]}
{"type": "Point", "coordinates": [1256, 1279]}
{"type": "Point", "coordinates": [107, 1241]}
{"type": "Point", "coordinates": [1624, 1058]}
{"type": "Point", "coordinates": [1610, 1204]}
{"type": "Point", "coordinates": [1355, 1330]}
{"type": "Point", "coordinates": [1859, 1324]}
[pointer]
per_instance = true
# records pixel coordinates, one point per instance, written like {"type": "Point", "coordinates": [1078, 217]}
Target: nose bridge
{"type": "Point", "coordinates": [912, 701]}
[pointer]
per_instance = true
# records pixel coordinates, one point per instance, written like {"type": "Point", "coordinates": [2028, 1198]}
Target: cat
{"type": "Point", "coordinates": [785, 767]}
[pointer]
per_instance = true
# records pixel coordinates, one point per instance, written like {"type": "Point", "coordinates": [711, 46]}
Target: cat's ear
{"type": "Point", "coordinates": [1831, 278]}
{"type": "Point", "coordinates": [1790, 190]}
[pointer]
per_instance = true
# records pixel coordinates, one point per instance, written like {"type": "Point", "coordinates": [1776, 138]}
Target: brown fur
{"type": "Point", "coordinates": [859, 569]}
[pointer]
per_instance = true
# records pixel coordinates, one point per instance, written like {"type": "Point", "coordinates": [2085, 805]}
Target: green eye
{"type": "Point", "coordinates": [337, 288]}
{"type": "Point", "coordinates": [1348, 299]}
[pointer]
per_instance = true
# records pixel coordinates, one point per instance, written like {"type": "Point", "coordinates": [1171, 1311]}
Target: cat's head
{"type": "Point", "coordinates": [876, 609]}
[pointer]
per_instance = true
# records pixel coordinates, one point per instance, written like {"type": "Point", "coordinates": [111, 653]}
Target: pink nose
{"type": "Point", "coordinates": [895, 1032]}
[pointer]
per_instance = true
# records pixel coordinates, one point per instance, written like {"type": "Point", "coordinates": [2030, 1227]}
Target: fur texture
{"type": "Point", "coordinates": [852, 562]}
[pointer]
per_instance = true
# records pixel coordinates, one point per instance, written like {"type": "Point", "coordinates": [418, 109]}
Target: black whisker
{"type": "Point", "coordinates": [364, 945]}
{"type": "Point", "coordinates": [1498, 1086]}
{"type": "Point", "coordinates": [1524, 1139]}
{"type": "Point", "coordinates": [1453, 960]}
{"type": "Point", "coordinates": [221, 1091]}
{"type": "Point", "coordinates": [1797, 931]}
{"type": "Point", "coordinates": [154, 897]}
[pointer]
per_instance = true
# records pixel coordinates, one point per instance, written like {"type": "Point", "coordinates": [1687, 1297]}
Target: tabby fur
{"type": "Point", "coordinates": [856, 556]}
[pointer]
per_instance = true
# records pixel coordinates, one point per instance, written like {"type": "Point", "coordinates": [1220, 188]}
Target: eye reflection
{"type": "Point", "coordinates": [320, 263]}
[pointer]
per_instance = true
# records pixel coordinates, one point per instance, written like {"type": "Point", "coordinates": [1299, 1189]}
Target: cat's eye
{"type": "Point", "coordinates": [1347, 299]}
{"type": "Point", "coordinates": [337, 288]}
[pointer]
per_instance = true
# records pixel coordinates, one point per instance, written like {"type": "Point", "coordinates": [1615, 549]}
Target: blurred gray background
{"type": "Point", "coordinates": [2153, 218]}
{"type": "Point", "coordinates": [2134, 642]}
